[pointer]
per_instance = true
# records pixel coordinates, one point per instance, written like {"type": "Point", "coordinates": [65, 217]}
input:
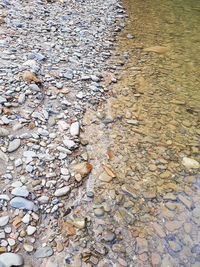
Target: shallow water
{"type": "Point", "coordinates": [155, 199]}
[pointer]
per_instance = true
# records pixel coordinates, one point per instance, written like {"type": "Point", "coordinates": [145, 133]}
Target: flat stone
{"type": "Point", "coordinates": [11, 259]}
{"type": "Point", "coordinates": [43, 252]}
{"type": "Point", "coordinates": [4, 220]}
{"type": "Point", "coordinates": [62, 191]}
{"type": "Point", "coordinates": [4, 197]}
{"type": "Point", "coordinates": [74, 128]}
{"type": "Point", "coordinates": [190, 163]}
{"type": "Point", "coordinates": [22, 203]}
{"type": "Point", "coordinates": [14, 145]}
{"type": "Point", "coordinates": [20, 192]}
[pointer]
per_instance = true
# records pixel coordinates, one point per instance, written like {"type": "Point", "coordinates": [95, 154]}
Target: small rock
{"type": "Point", "coordinates": [28, 247]}
{"type": "Point", "coordinates": [43, 199]}
{"type": "Point", "coordinates": [14, 145]}
{"type": "Point", "coordinates": [155, 259]}
{"type": "Point", "coordinates": [31, 230]}
{"type": "Point", "coordinates": [74, 128]}
{"type": "Point", "coordinates": [62, 191]}
{"type": "Point", "coordinates": [44, 252]}
{"type": "Point", "coordinates": [99, 212]}
{"type": "Point", "coordinates": [109, 236]}
{"type": "Point", "coordinates": [3, 156]}
{"type": "Point", "coordinates": [104, 177]}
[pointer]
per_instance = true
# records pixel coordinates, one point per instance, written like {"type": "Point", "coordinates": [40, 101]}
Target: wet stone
{"type": "Point", "coordinates": [109, 236]}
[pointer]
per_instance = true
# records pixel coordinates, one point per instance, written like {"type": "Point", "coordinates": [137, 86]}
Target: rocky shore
{"type": "Point", "coordinates": [53, 65]}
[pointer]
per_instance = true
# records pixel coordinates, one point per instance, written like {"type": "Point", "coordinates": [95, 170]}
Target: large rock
{"type": "Point", "coordinates": [11, 259]}
{"type": "Point", "coordinates": [22, 203]}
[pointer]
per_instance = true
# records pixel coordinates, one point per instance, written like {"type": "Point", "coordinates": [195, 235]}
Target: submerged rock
{"type": "Point", "coordinates": [190, 163]}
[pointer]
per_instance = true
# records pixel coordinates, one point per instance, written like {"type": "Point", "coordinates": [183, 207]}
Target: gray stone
{"type": "Point", "coordinates": [14, 145]}
{"type": "Point", "coordinates": [20, 192]}
{"type": "Point", "coordinates": [43, 252]}
{"type": "Point", "coordinates": [62, 191]}
{"type": "Point", "coordinates": [4, 220]}
{"type": "Point", "coordinates": [43, 199]}
{"type": "Point", "coordinates": [69, 143]}
{"type": "Point", "coordinates": [11, 259]}
{"type": "Point", "coordinates": [22, 203]}
{"type": "Point", "coordinates": [3, 156]}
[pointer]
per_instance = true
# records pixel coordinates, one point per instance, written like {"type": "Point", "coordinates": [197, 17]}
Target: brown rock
{"type": "Point", "coordinates": [82, 169]}
{"type": "Point", "coordinates": [109, 171]}
{"type": "Point", "coordinates": [155, 259]}
{"type": "Point", "coordinates": [29, 77]}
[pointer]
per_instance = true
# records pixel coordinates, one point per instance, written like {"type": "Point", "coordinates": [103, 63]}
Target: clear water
{"type": "Point", "coordinates": [156, 200]}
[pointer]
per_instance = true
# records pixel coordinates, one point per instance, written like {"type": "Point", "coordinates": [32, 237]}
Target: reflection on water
{"type": "Point", "coordinates": [155, 140]}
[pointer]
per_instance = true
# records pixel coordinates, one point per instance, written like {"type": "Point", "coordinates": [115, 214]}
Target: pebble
{"type": "Point", "coordinates": [74, 128]}
{"type": "Point", "coordinates": [62, 191]}
{"type": "Point", "coordinates": [14, 145]}
{"type": "Point", "coordinates": [109, 236]}
{"type": "Point", "coordinates": [22, 203]}
{"type": "Point", "coordinates": [31, 230]}
{"type": "Point", "coordinates": [43, 252]}
{"type": "Point", "coordinates": [99, 212]}
{"type": "Point", "coordinates": [11, 259]}
{"type": "Point", "coordinates": [28, 247]}
{"type": "Point", "coordinates": [4, 220]}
